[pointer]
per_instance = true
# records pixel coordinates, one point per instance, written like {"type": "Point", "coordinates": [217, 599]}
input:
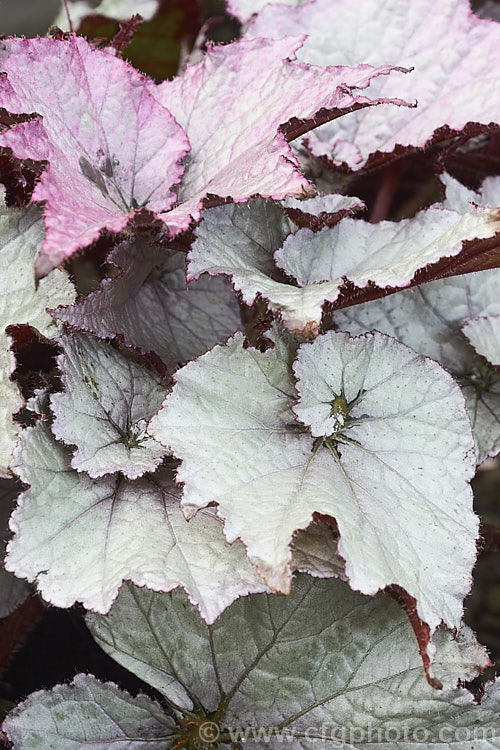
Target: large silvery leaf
{"type": "Point", "coordinates": [88, 714]}
{"type": "Point", "coordinates": [111, 147]}
{"type": "Point", "coordinates": [242, 241]}
{"type": "Point", "coordinates": [137, 529]}
{"type": "Point", "coordinates": [148, 305]}
{"type": "Point", "coordinates": [121, 10]}
{"type": "Point", "coordinates": [22, 301]}
{"type": "Point", "coordinates": [240, 105]}
{"type": "Point", "coordinates": [430, 319]}
{"type": "Point", "coordinates": [13, 591]}
{"type": "Point", "coordinates": [395, 467]}
{"type": "Point", "coordinates": [105, 408]}
{"type": "Point", "coordinates": [451, 91]}
{"type": "Point", "coordinates": [318, 668]}
{"type": "Point", "coordinates": [434, 319]}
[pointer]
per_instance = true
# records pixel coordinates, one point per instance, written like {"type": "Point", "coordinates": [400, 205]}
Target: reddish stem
{"type": "Point", "coordinates": [66, 8]}
{"type": "Point", "coordinates": [15, 628]}
{"type": "Point", "coordinates": [385, 195]}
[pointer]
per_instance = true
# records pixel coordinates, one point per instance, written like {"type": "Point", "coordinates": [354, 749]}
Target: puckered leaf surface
{"type": "Point", "coordinates": [150, 307]}
{"type": "Point", "coordinates": [453, 89]}
{"type": "Point", "coordinates": [111, 147]}
{"type": "Point", "coordinates": [394, 474]}
{"type": "Point", "coordinates": [302, 669]}
{"type": "Point", "coordinates": [433, 319]}
{"type": "Point", "coordinates": [121, 10]}
{"type": "Point", "coordinates": [88, 714]}
{"type": "Point", "coordinates": [21, 301]}
{"type": "Point", "coordinates": [483, 333]}
{"type": "Point", "coordinates": [232, 104]}
{"type": "Point", "coordinates": [137, 531]}
{"type": "Point", "coordinates": [13, 591]}
{"type": "Point", "coordinates": [241, 241]}
{"type": "Point", "coordinates": [105, 408]}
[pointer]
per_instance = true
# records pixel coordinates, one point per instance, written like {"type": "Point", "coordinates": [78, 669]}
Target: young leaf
{"type": "Point", "coordinates": [13, 591]}
{"type": "Point", "coordinates": [240, 105]}
{"type": "Point", "coordinates": [149, 306]}
{"type": "Point", "coordinates": [267, 672]}
{"type": "Point", "coordinates": [111, 147]}
{"type": "Point", "coordinates": [450, 95]}
{"type": "Point", "coordinates": [232, 240]}
{"type": "Point", "coordinates": [88, 714]}
{"type": "Point", "coordinates": [137, 528]}
{"type": "Point", "coordinates": [21, 301]}
{"type": "Point", "coordinates": [105, 408]}
{"type": "Point", "coordinates": [322, 210]}
{"type": "Point", "coordinates": [483, 334]}
{"type": "Point", "coordinates": [391, 462]}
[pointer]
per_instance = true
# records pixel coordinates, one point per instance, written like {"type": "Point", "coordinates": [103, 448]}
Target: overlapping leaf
{"type": "Point", "coordinates": [306, 681]}
{"type": "Point", "coordinates": [88, 714]}
{"type": "Point", "coordinates": [111, 147]}
{"type": "Point", "coordinates": [137, 528]}
{"type": "Point", "coordinates": [483, 334]}
{"type": "Point", "coordinates": [241, 241]}
{"type": "Point", "coordinates": [105, 408]}
{"type": "Point", "coordinates": [394, 474]}
{"type": "Point", "coordinates": [453, 89]}
{"type": "Point", "coordinates": [240, 105]}
{"type": "Point", "coordinates": [150, 307]}
{"type": "Point", "coordinates": [433, 319]}
{"type": "Point", "coordinates": [21, 301]}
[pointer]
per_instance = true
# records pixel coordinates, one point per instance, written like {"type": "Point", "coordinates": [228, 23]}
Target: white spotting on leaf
{"type": "Point", "coordinates": [150, 307]}
{"type": "Point", "coordinates": [22, 302]}
{"type": "Point", "coordinates": [105, 408]}
{"type": "Point", "coordinates": [242, 241]}
{"type": "Point", "coordinates": [394, 475]}
{"type": "Point", "coordinates": [319, 661]}
{"type": "Point", "coordinates": [90, 715]}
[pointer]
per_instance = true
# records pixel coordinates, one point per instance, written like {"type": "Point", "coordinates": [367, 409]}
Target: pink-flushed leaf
{"type": "Point", "coordinates": [455, 57]}
{"type": "Point", "coordinates": [241, 105]}
{"type": "Point", "coordinates": [149, 306]}
{"type": "Point", "coordinates": [111, 147]}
